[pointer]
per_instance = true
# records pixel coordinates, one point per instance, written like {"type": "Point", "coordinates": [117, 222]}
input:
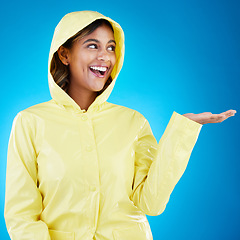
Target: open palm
{"type": "Point", "coordinates": [208, 117]}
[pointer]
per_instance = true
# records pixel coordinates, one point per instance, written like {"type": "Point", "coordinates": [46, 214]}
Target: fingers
{"type": "Point", "coordinates": [231, 112]}
{"type": "Point", "coordinates": [223, 116]}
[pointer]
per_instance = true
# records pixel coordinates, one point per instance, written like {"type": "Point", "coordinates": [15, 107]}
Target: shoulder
{"type": "Point", "coordinates": [40, 107]}
{"type": "Point", "coordinates": [33, 112]}
{"type": "Point", "coordinates": [127, 113]}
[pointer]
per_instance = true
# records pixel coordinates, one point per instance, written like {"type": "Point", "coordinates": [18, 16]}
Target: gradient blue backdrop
{"type": "Point", "coordinates": [181, 56]}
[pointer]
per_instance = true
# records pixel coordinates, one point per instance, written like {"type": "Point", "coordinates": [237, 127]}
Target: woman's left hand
{"type": "Point", "coordinates": [208, 117]}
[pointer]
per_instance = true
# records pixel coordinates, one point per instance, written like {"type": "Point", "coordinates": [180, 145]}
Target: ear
{"type": "Point", "coordinates": [63, 54]}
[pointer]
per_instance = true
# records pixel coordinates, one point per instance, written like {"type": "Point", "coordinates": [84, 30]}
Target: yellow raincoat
{"type": "Point", "coordinates": [76, 174]}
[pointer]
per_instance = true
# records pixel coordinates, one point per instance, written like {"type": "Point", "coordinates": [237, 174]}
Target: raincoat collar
{"type": "Point", "coordinates": [68, 26]}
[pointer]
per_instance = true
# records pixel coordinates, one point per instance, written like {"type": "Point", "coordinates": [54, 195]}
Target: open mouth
{"type": "Point", "coordinates": [98, 71]}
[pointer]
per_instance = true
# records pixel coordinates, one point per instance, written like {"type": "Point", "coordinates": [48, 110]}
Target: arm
{"type": "Point", "coordinates": [158, 167]}
{"type": "Point", "coordinates": [23, 201]}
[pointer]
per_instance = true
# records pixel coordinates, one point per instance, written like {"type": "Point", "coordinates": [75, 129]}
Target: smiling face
{"type": "Point", "coordinates": [91, 60]}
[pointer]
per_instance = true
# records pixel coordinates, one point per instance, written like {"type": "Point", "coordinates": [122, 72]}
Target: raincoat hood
{"type": "Point", "coordinates": [68, 26]}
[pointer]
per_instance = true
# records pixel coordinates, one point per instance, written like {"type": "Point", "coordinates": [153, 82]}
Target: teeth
{"type": "Point", "coordinates": [103, 69]}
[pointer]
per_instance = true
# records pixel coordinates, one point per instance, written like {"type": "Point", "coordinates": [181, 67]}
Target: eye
{"type": "Point", "coordinates": [111, 48]}
{"type": "Point", "coordinates": [92, 46]}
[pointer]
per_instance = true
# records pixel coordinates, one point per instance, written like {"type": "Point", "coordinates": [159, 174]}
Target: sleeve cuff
{"type": "Point", "coordinates": [185, 125]}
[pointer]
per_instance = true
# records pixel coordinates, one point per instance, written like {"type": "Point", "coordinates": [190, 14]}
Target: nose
{"type": "Point", "coordinates": [103, 56]}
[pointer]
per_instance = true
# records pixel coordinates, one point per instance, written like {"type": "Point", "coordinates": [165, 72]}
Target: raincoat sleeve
{"type": "Point", "coordinates": [23, 201]}
{"type": "Point", "coordinates": [158, 167]}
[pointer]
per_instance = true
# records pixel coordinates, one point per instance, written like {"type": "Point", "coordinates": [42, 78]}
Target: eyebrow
{"type": "Point", "coordinates": [97, 41]}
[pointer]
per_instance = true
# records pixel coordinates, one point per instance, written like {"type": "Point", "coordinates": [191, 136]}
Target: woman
{"type": "Point", "coordinates": [80, 167]}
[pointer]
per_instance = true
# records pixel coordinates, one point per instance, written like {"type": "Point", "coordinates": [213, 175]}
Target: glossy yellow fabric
{"type": "Point", "coordinates": [80, 175]}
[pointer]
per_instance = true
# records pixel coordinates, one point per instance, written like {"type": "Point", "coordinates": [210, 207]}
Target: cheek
{"type": "Point", "coordinates": [84, 58]}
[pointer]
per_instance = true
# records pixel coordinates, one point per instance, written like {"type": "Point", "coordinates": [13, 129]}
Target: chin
{"type": "Point", "coordinates": [98, 87]}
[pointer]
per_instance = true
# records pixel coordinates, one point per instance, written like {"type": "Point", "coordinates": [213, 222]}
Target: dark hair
{"type": "Point", "coordinates": [60, 71]}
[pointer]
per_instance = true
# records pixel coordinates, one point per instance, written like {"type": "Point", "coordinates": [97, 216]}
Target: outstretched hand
{"type": "Point", "coordinates": [208, 117]}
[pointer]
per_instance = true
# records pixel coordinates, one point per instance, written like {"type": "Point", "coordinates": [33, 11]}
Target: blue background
{"type": "Point", "coordinates": [181, 56]}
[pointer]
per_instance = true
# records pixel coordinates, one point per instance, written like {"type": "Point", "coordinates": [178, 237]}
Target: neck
{"type": "Point", "coordinates": [82, 97]}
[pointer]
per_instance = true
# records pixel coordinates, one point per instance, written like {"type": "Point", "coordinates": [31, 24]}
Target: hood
{"type": "Point", "coordinates": [68, 26]}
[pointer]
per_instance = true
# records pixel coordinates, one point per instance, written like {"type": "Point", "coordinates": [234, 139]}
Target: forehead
{"type": "Point", "coordinates": [103, 32]}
